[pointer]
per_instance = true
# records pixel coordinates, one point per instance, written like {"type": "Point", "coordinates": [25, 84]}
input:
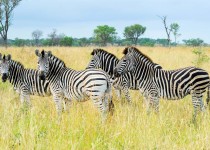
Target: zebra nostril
{"type": "Point", "coordinates": [4, 77]}
{"type": "Point", "coordinates": [42, 76]}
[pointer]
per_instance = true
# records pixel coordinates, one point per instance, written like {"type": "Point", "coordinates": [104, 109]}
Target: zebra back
{"type": "Point", "coordinates": [172, 84]}
{"type": "Point", "coordinates": [28, 79]}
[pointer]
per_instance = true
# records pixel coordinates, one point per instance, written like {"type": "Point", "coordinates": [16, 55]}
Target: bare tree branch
{"type": "Point", "coordinates": [6, 9]}
{"type": "Point", "coordinates": [167, 29]}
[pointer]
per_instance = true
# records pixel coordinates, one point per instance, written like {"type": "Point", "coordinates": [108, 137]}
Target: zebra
{"type": "Point", "coordinates": [72, 84]}
{"type": "Point", "coordinates": [107, 62]}
{"type": "Point", "coordinates": [25, 82]}
{"type": "Point", "coordinates": [168, 84]}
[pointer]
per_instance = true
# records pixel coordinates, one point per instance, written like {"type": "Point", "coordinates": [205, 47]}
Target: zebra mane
{"type": "Point", "coordinates": [17, 64]}
{"type": "Point", "coordinates": [56, 59]}
{"type": "Point", "coordinates": [126, 50]}
{"type": "Point", "coordinates": [95, 51]}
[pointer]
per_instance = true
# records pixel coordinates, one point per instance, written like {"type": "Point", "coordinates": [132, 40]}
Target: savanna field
{"type": "Point", "coordinates": [129, 128]}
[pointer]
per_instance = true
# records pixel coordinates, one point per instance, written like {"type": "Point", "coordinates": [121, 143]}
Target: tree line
{"type": "Point", "coordinates": [103, 35]}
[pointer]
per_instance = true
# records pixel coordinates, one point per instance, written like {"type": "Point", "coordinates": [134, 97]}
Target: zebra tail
{"type": "Point", "coordinates": [208, 95]}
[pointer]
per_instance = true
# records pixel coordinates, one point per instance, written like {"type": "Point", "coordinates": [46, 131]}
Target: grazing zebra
{"type": "Point", "coordinates": [155, 83]}
{"type": "Point", "coordinates": [72, 84]}
{"type": "Point", "coordinates": [26, 82]}
{"type": "Point", "coordinates": [107, 62]}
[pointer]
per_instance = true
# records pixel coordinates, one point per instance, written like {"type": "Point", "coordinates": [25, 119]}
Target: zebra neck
{"type": "Point", "coordinates": [108, 64]}
{"type": "Point", "coordinates": [56, 68]}
{"type": "Point", "coordinates": [15, 72]}
{"type": "Point", "coordinates": [144, 73]}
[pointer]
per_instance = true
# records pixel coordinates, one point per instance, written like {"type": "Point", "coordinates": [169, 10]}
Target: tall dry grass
{"type": "Point", "coordinates": [128, 128]}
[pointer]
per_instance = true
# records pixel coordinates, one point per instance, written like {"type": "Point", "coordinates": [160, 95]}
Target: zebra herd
{"type": "Point", "coordinates": [134, 71]}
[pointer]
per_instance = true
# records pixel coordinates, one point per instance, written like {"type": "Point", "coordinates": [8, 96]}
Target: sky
{"type": "Point", "coordinates": [79, 18]}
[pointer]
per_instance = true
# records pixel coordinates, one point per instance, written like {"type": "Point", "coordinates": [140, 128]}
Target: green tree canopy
{"type": "Point", "coordinates": [66, 41]}
{"type": "Point", "coordinates": [104, 34]}
{"type": "Point", "coordinates": [175, 29]}
{"type": "Point", "coordinates": [133, 32]}
{"type": "Point", "coordinates": [194, 42]}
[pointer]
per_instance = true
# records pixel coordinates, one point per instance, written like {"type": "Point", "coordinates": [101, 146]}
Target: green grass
{"type": "Point", "coordinates": [129, 128]}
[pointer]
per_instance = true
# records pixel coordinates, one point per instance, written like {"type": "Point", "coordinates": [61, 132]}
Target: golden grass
{"type": "Point", "coordinates": [128, 128]}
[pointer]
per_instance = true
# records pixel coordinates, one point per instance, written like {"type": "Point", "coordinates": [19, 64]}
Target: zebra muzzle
{"type": "Point", "coordinates": [116, 74]}
{"type": "Point", "coordinates": [4, 77]}
{"type": "Point", "coordinates": [42, 75]}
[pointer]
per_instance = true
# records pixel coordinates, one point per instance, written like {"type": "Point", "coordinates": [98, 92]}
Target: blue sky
{"type": "Point", "coordinates": [79, 18]}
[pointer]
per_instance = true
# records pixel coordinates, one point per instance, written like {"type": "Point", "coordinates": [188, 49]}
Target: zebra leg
{"type": "Point", "coordinates": [57, 99]}
{"type": "Point", "coordinates": [202, 106]}
{"type": "Point", "coordinates": [67, 104]}
{"type": "Point", "coordinates": [197, 104]}
{"type": "Point", "coordinates": [102, 105]}
{"type": "Point", "coordinates": [28, 101]}
{"type": "Point", "coordinates": [118, 93]}
{"type": "Point", "coordinates": [22, 99]}
{"type": "Point", "coordinates": [147, 102]}
{"type": "Point", "coordinates": [127, 94]}
{"type": "Point", "coordinates": [155, 104]}
{"type": "Point", "coordinates": [208, 96]}
{"type": "Point", "coordinates": [25, 98]}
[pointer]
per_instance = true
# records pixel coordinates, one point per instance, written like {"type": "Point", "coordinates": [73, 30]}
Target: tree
{"type": "Point", "coordinates": [104, 34]}
{"type": "Point", "coordinates": [53, 36]}
{"type": "Point", "coordinates": [163, 42]}
{"type": "Point", "coordinates": [194, 42]}
{"type": "Point", "coordinates": [147, 42]}
{"type": "Point", "coordinates": [84, 41]}
{"type": "Point", "coordinates": [133, 32]}
{"type": "Point", "coordinates": [175, 28]}
{"type": "Point", "coordinates": [19, 42]}
{"type": "Point", "coordinates": [66, 41]}
{"type": "Point", "coordinates": [6, 9]}
{"type": "Point", "coordinates": [36, 36]}
{"type": "Point", "coordinates": [167, 29]}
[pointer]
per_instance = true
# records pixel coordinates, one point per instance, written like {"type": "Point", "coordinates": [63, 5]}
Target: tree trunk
{"type": "Point", "coordinates": [5, 41]}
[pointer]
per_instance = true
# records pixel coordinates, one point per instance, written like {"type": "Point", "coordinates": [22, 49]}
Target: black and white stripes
{"type": "Point", "coordinates": [155, 83]}
{"type": "Point", "coordinates": [25, 81]}
{"type": "Point", "coordinates": [107, 61]}
{"type": "Point", "coordinates": [72, 84]}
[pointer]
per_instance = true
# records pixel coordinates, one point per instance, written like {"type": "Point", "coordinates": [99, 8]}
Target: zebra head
{"type": "Point", "coordinates": [4, 66]}
{"type": "Point", "coordinates": [95, 60]}
{"type": "Point", "coordinates": [126, 64]}
{"type": "Point", "coordinates": [43, 63]}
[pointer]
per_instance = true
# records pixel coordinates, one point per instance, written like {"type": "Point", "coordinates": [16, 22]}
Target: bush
{"type": "Point", "coordinates": [194, 42]}
{"type": "Point", "coordinates": [201, 57]}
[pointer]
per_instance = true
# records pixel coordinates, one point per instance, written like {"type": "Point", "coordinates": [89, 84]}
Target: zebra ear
{"type": "Point", "coordinates": [128, 50]}
{"type": "Point", "coordinates": [125, 50]}
{"type": "Point", "coordinates": [93, 52]}
{"type": "Point", "coordinates": [37, 52]}
{"type": "Point", "coordinates": [49, 53]}
{"type": "Point", "coordinates": [9, 57]}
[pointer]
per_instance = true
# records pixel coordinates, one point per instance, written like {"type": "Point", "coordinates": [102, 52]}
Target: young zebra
{"type": "Point", "coordinates": [107, 62]}
{"type": "Point", "coordinates": [155, 83]}
{"type": "Point", "coordinates": [72, 84]}
{"type": "Point", "coordinates": [26, 82]}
